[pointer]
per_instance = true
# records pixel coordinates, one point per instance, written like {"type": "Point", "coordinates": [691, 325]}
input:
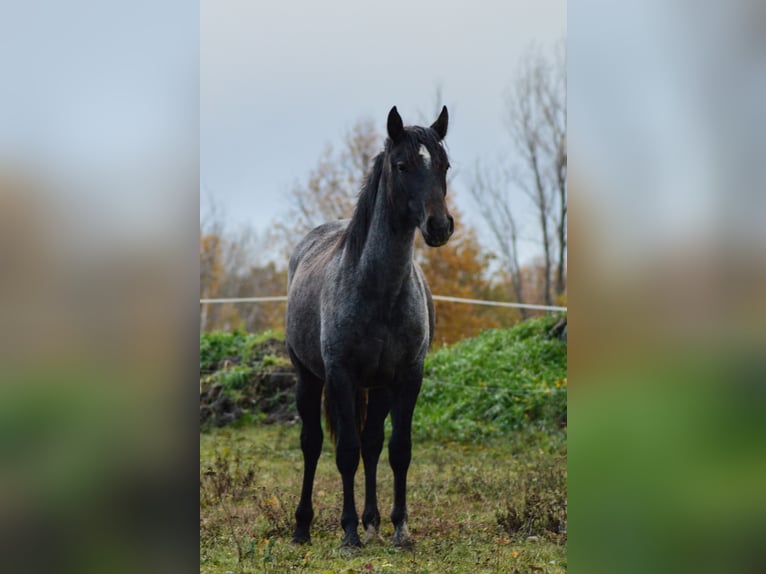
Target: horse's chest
{"type": "Point", "coordinates": [378, 352]}
{"type": "Point", "coordinates": [373, 361]}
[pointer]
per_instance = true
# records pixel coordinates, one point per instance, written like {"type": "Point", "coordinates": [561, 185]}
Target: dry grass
{"type": "Point", "coordinates": [496, 507]}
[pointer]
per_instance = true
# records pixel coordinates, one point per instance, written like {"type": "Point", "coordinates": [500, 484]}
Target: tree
{"type": "Point", "coordinates": [210, 272]}
{"type": "Point", "coordinates": [492, 195]}
{"type": "Point", "coordinates": [457, 269]}
{"type": "Point", "coordinates": [332, 186]}
{"type": "Point", "coordinates": [230, 266]}
{"type": "Point", "coordinates": [536, 121]}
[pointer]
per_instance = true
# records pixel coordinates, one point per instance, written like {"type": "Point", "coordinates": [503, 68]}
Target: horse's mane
{"type": "Point", "coordinates": [356, 233]}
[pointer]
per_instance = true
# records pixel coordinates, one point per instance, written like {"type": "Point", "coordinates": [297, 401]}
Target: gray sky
{"type": "Point", "coordinates": [280, 80]}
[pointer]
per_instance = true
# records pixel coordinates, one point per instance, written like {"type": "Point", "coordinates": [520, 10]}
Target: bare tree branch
{"type": "Point", "coordinates": [332, 187]}
{"type": "Point", "coordinates": [536, 108]}
{"type": "Point", "coordinates": [491, 195]}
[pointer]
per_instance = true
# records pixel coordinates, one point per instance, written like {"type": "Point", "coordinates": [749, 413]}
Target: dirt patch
{"type": "Point", "coordinates": [259, 386]}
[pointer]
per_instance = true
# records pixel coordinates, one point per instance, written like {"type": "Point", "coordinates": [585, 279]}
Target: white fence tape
{"type": "Point", "coordinates": [242, 300]}
{"type": "Point", "coordinates": [498, 303]}
{"type": "Point", "coordinates": [436, 298]}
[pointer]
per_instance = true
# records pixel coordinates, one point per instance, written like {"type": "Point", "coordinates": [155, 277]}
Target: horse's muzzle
{"type": "Point", "coordinates": [438, 230]}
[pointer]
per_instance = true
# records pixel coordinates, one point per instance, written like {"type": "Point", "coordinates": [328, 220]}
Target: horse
{"type": "Point", "coordinates": [360, 320]}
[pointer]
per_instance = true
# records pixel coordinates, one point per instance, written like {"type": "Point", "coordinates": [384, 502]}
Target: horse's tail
{"type": "Point", "coordinates": [361, 409]}
{"type": "Point", "coordinates": [328, 415]}
{"type": "Point", "coordinates": [361, 412]}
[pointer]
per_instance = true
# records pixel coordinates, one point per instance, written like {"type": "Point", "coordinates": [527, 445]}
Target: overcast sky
{"type": "Point", "coordinates": [280, 80]}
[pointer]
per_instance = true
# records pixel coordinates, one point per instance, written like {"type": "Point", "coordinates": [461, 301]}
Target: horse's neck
{"type": "Point", "coordinates": [386, 260]}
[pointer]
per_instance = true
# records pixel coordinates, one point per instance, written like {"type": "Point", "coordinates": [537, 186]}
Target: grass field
{"type": "Point", "coordinates": [495, 506]}
{"type": "Point", "coordinates": [486, 488]}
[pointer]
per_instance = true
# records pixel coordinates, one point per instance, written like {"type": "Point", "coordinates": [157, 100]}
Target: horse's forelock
{"type": "Point", "coordinates": [427, 137]}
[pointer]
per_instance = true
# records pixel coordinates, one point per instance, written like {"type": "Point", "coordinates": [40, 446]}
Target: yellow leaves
{"type": "Point", "coordinates": [273, 503]}
{"type": "Point", "coordinates": [210, 263]}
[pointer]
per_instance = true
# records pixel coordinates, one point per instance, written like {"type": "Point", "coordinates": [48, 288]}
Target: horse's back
{"type": "Point", "coordinates": [305, 277]}
{"type": "Point", "coordinates": [315, 244]}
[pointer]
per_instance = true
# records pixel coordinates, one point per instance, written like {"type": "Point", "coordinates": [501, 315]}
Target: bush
{"type": "Point", "coordinates": [500, 381]}
{"type": "Point", "coordinates": [245, 378]}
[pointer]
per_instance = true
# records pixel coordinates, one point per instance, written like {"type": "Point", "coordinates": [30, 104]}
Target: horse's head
{"type": "Point", "coordinates": [416, 165]}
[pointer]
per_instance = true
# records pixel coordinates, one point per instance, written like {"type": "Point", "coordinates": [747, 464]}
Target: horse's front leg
{"type": "Point", "coordinates": [342, 401]}
{"type": "Point", "coordinates": [378, 403]}
{"type": "Point", "coordinates": [403, 398]}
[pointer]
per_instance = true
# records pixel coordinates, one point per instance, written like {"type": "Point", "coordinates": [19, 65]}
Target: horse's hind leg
{"type": "Point", "coordinates": [309, 400]}
{"type": "Point", "coordinates": [372, 445]}
{"type": "Point", "coordinates": [341, 396]}
{"type": "Point", "coordinates": [403, 398]}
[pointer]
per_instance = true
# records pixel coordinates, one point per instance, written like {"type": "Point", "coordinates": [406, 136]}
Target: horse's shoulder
{"type": "Point", "coordinates": [420, 280]}
{"type": "Point", "coordinates": [420, 277]}
{"type": "Point", "coordinates": [316, 242]}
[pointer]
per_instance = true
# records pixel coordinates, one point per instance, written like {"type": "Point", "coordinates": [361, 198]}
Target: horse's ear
{"type": "Point", "coordinates": [440, 125]}
{"type": "Point", "coordinates": [395, 125]}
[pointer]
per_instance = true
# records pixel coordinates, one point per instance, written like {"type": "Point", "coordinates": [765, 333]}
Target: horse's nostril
{"type": "Point", "coordinates": [439, 227]}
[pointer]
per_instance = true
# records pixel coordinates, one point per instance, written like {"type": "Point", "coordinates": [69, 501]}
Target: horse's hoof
{"type": "Point", "coordinates": [404, 543]}
{"type": "Point", "coordinates": [402, 538]}
{"type": "Point", "coordinates": [299, 538]}
{"type": "Point", "coordinates": [351, 542]}
{"type": "Point", "coordinates": [373, 536]}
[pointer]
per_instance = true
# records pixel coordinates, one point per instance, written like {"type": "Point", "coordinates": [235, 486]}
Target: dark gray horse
{"type": "Point", "coordinates": [360, 319]}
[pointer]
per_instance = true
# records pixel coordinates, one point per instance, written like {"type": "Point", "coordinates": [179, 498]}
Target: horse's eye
{"type": "Point", "coordinates": [448, 166]}
{"type": "Point", "coordinates": [401, 166]}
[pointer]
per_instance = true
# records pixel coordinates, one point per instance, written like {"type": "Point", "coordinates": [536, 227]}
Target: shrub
{"type": "Point", "coordinates": [244, 378]}
{"type": "Point", "coordinates": [500, 381]}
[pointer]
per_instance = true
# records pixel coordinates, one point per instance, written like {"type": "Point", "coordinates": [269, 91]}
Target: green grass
{"type": "Point", "coordinates": [473, 508]}
{"type": "Point", "coordinates": [214, 346]}
{"type": "Point", "coordinates": [501, 381]}
{"type": "Point", "coordinates": [238, 368]}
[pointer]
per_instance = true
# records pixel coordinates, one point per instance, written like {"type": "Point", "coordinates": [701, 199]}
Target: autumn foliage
{"type": "Point", "coordinates": [457, 269]}
{"type": "Point", "coordinates": [223, 276]}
